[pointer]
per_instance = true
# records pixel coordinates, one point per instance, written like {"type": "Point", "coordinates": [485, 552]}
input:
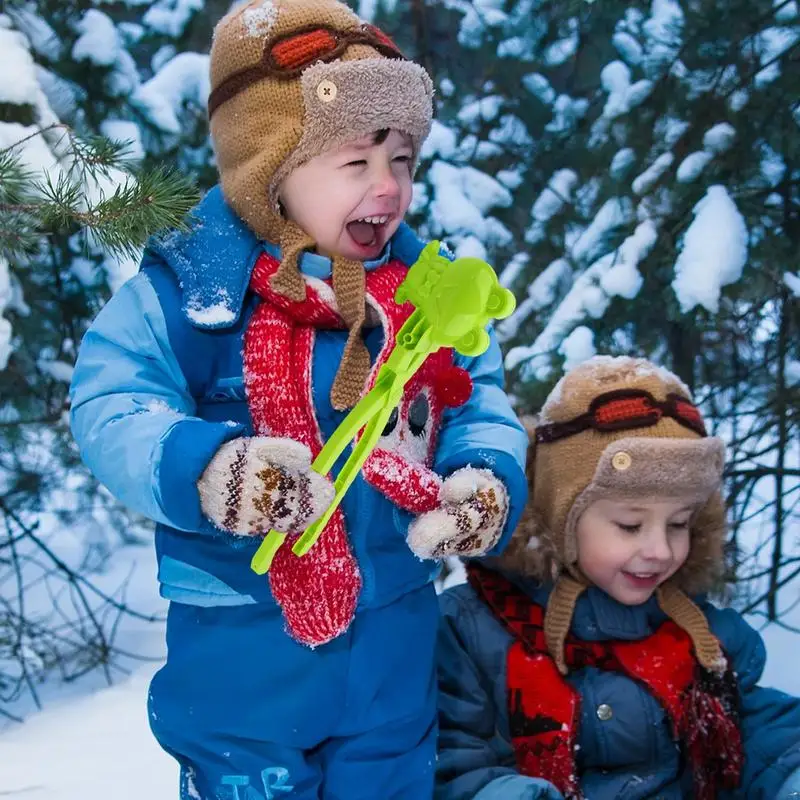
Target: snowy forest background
{"type": "Point", "coordinates": [631, 168]}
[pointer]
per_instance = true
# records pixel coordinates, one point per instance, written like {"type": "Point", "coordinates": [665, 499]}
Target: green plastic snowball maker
{"type": "Point", "coordinates": [453, 302]}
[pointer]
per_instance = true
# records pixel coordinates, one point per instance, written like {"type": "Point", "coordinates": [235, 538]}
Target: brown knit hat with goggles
{"type": "Point", "coordinates": [619, 427]}
{"type": "Point", "coordinates": [291, 79]}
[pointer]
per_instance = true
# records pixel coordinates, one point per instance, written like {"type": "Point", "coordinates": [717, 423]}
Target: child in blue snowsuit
{"type": "Point", "coordinates": [209, 382]}
{"type": "Point", "coordinates": [576, 665]}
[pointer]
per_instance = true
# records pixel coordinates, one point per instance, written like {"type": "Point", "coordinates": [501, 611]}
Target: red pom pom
{"type": "Point", "coordinates": [453, 386]}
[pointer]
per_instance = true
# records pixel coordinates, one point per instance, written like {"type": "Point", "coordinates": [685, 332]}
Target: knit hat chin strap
{"type": "Point", "coordinates": [672, 601]}
{"type": "Point", "coordinates": [349, 288]}
{"type": "Point", "coordinates": [558, 617]}
{"type": "Point", "coordinates": [287, 280]}
{"type": "Point", "coordinates": [684, 613]}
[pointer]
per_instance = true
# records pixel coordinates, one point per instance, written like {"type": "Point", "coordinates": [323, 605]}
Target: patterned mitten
{"type": "Point", "coordinates": [470, 518]}
{"type": "Point", "coordinates": [255, 484]}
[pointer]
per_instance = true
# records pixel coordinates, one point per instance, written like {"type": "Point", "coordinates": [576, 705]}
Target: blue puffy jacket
{"type": "Point", "coordinates": [158, 387]}
{"type": "Point", "coordinates": [629, 756]}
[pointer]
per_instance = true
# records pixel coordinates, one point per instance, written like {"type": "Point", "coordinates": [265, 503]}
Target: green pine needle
{"type": "Point", "coordinates": [15, 180]}
{"type": "Point", "coordinates": [144, 203]}
{"type": "Point", "coordinates": [98, 155]}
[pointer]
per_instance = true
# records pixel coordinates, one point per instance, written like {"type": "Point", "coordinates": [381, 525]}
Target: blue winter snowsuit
{"type": "Point", "coordinates": [626, 752]}
{"type": "Point", "coordinates": [249, 712]}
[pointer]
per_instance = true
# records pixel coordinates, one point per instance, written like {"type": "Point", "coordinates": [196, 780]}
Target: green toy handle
{"type": "Point", "coordinates": [453, 302]}
{"type": "Point", "coordinates": [262, 558]}
{"type": "Point", "coordinates": [322, 464]}
{"type": "Point", "coordinates": [376, 406]}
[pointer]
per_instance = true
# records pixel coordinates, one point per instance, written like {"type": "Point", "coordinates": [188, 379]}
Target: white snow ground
{"type": "Point", "coordinates": [98, 745]}
{"type": "Point", "coordinates": [91, 741]}
{"type": "Point", "coordinates": [92, 747]}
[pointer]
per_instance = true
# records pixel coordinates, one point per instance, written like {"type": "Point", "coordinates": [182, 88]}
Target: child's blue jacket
{"type": "Point", "coordinates": [158, 387]}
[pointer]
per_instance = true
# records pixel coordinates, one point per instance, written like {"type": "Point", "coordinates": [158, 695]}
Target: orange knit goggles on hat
{"type": "Point", "coordinates": [625, 409]}
{"type": "Point", "coordinates": [288, 55]}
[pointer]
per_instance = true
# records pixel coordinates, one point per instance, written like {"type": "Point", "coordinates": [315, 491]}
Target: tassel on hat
{"type": "Point", "coordinates": [349, 288]}
{"type": "Point", "coordinates": [672, 601]}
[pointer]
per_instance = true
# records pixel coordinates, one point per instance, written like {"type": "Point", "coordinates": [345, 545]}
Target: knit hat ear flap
{"type": "Point", "coordinates": [684, 613]}
{"type": "Point", "coordinates": [558, 617]}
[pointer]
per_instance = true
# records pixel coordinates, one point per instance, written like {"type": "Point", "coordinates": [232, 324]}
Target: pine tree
{"type": "Point", "coordinates": [650, 155]}
{"type": "Point", "coordinates": [584, 148]}
{"type": "Point", "coordinates": [72, 202]}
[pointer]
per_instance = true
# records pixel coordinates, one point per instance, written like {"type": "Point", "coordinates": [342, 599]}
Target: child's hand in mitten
{"type": "Point", "coordinates": [469, 521]}
{"type": "Point", "coordinates": [255, 484]}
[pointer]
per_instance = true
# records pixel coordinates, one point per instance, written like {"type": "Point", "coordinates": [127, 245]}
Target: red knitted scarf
{"type": "Point", "coordinates": [318, 592]}
{"type": "Point", "coordinates": [544, 708]}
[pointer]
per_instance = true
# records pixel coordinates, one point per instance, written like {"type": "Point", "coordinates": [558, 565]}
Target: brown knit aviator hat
{"type": "Point", "coordinates": [619, 427]}
{"type": "Point", "coordinates": [291, 79]}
